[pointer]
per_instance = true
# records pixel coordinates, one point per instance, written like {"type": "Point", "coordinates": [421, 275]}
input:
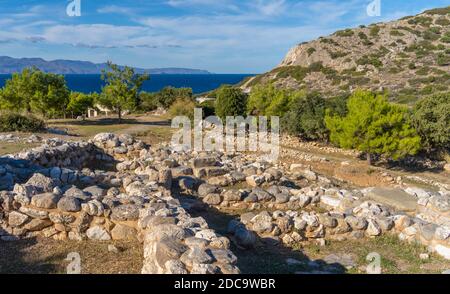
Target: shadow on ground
{"type": "Point", "coordinates": [112, 121]}
{"type": "Point", "coordinates": [268, 256]}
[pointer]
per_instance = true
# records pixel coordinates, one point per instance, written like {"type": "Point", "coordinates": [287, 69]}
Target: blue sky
{"type": "Point", "coordinates": [222, 36]}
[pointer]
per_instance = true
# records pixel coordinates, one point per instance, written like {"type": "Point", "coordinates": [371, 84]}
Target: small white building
{"type": "Point", "coordinates": [94, 112]}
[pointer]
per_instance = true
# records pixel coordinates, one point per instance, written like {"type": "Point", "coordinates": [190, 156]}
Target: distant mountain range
{"type": "Point", "coordinates": [9, 65]}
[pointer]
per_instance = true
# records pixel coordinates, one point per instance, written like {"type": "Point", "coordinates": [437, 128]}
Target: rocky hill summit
{"type": "Point", "coordinates": [409, 57]}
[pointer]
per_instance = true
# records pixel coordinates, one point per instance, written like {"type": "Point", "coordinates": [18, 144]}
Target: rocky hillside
{"type": "Point", "coordinates": [409, 57]}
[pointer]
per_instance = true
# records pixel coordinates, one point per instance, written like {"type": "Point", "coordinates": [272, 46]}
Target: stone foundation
{"type": "Point", "coordinates": [114, 187]}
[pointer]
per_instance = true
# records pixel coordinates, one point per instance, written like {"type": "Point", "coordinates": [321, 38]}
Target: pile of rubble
{"type": "Point", "coordinates": [116, 187]}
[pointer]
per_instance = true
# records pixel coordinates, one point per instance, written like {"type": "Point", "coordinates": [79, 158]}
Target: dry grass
{"type": "Point", "coordinates": [47, 256]}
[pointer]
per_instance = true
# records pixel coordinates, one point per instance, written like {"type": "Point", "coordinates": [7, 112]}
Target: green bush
{"type": "Point", "coordinates": [169, 95]}
{"type": "Point", "coordinates": [208, 108]}
{"type": "Point", "coordinates": [36, 92]}
{"type": "Point", "coordinates": [345, 33]}
{"type": "Point", "coordinates": [396, 33]}
{"type": "Point", "coordinates": [230, 101]}
{"type": "Point", "coordinates": [374, 126]}
{"type": "Point", "coordinates": [306, 118]}
{"type": "Point", "coordinates": [374, 30]}
{"type": "Point", "coordinates": [442, 59]}
{"type": "Point", "coordinates": [431, 117]}
{"type": "Point", "coordinates": [446, 38]}
{"type": "Point", "coordinates": [14, 122]}
{"type": "Point", "coordinates": [442, 21]}
{"type": "Point", "coordinates": [182, 107]}
{"type": "Point", "coordinates": [311, 51]}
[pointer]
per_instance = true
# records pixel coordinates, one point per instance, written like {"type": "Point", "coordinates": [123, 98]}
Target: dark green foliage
{"type": "Point", "coordinates": [169, 95]}
{"type": "Point", "coordinates": [306, 118]}
{"type": "Point", "coordinates": [446, 38]}
{"type": "Point", "coordinates": [396, 33]}
{"type": "Point", "coordinates": [122, 88]}
{"type": "Point", "coordinates": [79, 103]}
{"type": "Point", "coordinates": [442, 21]}
{"type": "Point", "coordinates": [148, 101]}
{"type": "Point", "coordinates": [431, 117]}
{"type": "Point", "coordinates": [421, 20]}
{"type": "Point", "coordinates": [35, 91]}
{"type": "Point", "coordinates": [370, 59]}
{"type": "Point", "coordinates": [208, 108]}
{"type": "Point", "coordinates": [338, 54]}
{"type": "Point", "coordinates": [439, 11]}
{"type": "Point", "coordinates": [311, 51]}
{"type": "Point", "coordinates": [14, 122]}
{"type": "Point", "coordinates": [442, 59]}
{"type": "Point", "coordinates": [375, 126]}
{"type": "Point", "coordinates": [374, 30]}
{"type": "Point", "coordinates": [306, 115]}
{"type": "Point", "coordinates": [345, 33]}
{"type": "Point", "coordinates": [230, 101]}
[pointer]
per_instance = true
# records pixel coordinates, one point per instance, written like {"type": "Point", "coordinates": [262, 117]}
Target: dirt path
{"type": "Point", "coordinates": [358, 172]}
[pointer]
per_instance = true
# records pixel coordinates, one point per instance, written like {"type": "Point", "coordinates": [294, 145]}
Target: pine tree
{"type": "Point", "coordinates": [374, 126]}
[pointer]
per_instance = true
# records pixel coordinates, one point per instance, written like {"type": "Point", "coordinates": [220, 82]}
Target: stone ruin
{"type": "Point", "coordinates": [114, 187]}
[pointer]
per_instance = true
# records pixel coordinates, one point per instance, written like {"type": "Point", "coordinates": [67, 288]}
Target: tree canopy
{"type": "Point", "coordinates": [122, 88]}
{"type": "Point", "coordinates": [431, 118]}
{"type": "Point", "coordinates": [374, 126]}
{"type": "Point", "coordinates": [230, 101]}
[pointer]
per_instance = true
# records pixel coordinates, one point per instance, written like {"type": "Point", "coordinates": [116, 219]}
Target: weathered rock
{"type": "Point", "coordinates": [397, 198]}
{"type": "Point", "coordinates": [255, 180]}
{"type": "Point", "coordinates": [37, 225]}
{"type": "Point", "coordinates": [41, 182]}
{"type": "Point", "coordinates": [16, 219]}
{"type": "Point", "coordinates": [244, 237]}
{"type": "Point", "coordinates": [204, 162]}
{"type": "Point", "coordinates": [373, 229]}
{"type": "Point", "coordinates": [98, 233]}
{"type": "Point", "coordinates": [123, 232]}
{"type": "Point", "coordinates": [205, 189]}
{"type": "Point", "coordinates": [212, 199]}
{"type": "Point", "coordinates": [69, 204]}
{"type": "Point", "coordinates": [232, 195]}
{"type": "Point", "coordinates": [356, 223]}
{"type": "Point", "coordinates": [46, 201]}
{"type": "Point", "coordinates": [125, 212]}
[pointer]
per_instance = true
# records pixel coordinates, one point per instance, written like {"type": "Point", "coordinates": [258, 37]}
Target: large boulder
{"type": "Point", "coordinates": [69, 204]}
{"type": "Point", "coordinates": [42, 183]}
{"type": "Point", "coordinates": [46, 200]}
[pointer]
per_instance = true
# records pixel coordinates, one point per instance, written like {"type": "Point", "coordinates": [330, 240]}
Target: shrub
{"type": "Point", "coordinates": [345, 33]}
{"type": "Point", "coordinates": [396, 33]}
{"type": "Point", "coordinates": [374, 30]}
{"type": "Point", "coordinates": [431, 117]}
{"type": "Point", "coordinates": [375, 126]}
{"type": "Point", "coordinates": [306, 118]}
{"type": "Point", "coordinates": [230, 101]}
{"type": "Point", "coordinates": [442, 59]}
{"type": "Point", "coordinates": [442, 21]}
{"type": "Point", "coordinates": [35, 91]}
{"type": "Point", "coordinates": [79, 103]}
{"type": "Point", "coordinates": [208, 108]}
{"type": "Point", "coordinates": [370, 59]}
{"type": "Point", "coordinates": [311, 51]}
{"type": "Point", "coordinates": [148, 101]}
{"type": "Point", "coordinates": [182, 107]}
{"type": "Point", "coordinates": [169, 95]}
{"type": "Point", "coordinates": [338, 54]}
{"type": "Point", "coordinates": [446, 38]}
{"type": "Point", "coordinates": [14, 122]}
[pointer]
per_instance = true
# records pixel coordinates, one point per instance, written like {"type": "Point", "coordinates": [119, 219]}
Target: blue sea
{"type": "Point", "coordinates": [198, 83]}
